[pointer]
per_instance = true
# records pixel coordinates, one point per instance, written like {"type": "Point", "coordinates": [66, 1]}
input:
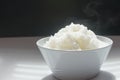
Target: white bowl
{"type": "Point", "coordinates": [75, 64]}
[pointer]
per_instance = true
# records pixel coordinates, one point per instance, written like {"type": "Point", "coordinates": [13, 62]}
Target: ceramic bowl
{"type": "Point", "coordinates": [75, 64]}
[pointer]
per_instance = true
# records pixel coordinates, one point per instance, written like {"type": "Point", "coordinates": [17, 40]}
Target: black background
{"type": "Point", "coordinates": [45, 17]}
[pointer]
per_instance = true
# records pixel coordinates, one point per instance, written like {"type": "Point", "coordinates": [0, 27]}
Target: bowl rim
{"type": "Point", "coordinates": [91, 50]}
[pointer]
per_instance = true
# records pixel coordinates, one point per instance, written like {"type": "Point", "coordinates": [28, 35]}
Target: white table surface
{"type": "Point", "coordinates": [20, 59]}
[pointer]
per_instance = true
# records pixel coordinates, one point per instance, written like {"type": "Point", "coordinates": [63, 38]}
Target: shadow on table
{"type": "Point", "coordinates": [103, 75]}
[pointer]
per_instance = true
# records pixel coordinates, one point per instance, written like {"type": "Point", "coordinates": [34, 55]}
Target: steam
{"type": "Point", "coordinates": [105, 15]}
{"type": "Point", "coordinates": [91, 9]}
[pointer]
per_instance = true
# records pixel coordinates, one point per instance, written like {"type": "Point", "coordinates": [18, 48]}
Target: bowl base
{"type": "Point", "coordinates": [79, 78]}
